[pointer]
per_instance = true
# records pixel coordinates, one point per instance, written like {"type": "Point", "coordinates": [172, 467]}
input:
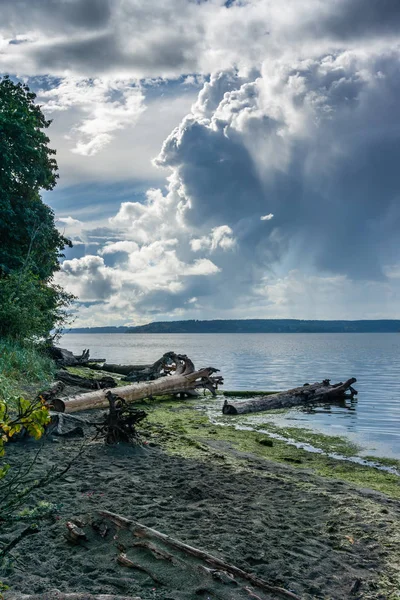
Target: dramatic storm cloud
{"type": "Point", "coordinates": [274, 129]}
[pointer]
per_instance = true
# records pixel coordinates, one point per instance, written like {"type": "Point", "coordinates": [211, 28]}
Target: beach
{"type": "Point", "coordinates": [258, 504]}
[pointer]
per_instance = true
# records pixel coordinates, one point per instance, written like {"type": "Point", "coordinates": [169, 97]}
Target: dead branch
{"type": "Point", "coordinates": [142, 531]}
{"type": "Point", "coordinates": [119, 424]}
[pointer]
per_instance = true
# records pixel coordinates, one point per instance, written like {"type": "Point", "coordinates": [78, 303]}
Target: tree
{"type": "Point", "coordinates": [27, 165]}
{"type": "Point", "coordinates": [30, 303]}
{"type": "Point", "coordinates": [30, 307]}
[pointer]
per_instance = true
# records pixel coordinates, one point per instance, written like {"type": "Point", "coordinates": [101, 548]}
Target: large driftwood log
{"type": "Point", "coordinates": [142, 531]}
{"type": "Point", "coordinates": [86, 382]}
{"type": "Point", "coordinates": [65, 358]}
{"type": "Point", "coordinates": [316, 393]}
{"type": "Point", "coordinates": [183, 380]}
{"type": "Point", "coordinates": [137, 373]}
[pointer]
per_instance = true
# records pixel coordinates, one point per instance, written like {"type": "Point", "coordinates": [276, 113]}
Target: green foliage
{"type": "Point", "coordinates": [27, 165]}
{"type": "Point", "coordinates": [30, 304]}
{"type": "Point", "coordinates": [29, 415]}
{"type": "Point", "coordinates": [30, 307]}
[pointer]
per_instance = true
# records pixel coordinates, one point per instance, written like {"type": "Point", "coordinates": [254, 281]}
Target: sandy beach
{"type": "Point", "coordinates": [318, 537]}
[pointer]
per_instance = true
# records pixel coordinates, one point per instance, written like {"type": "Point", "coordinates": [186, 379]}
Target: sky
{"type": "Point", "coordinates": [219, 159]}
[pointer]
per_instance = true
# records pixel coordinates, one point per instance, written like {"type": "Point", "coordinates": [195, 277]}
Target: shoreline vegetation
{"type": "Point", "coordinates": [253, 326]}
{"type": "Point", "coordinates": [320, 527]}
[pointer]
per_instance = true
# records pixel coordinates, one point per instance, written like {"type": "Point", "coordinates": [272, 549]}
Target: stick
{"type": "Point", "coordinates": [140, 530]}
{"type": "Point", "coordinates": [31, 530]}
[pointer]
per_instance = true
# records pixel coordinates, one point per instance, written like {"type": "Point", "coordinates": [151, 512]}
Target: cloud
{"type": "Point", "coordinates": [147, 271]}
{"type": "Point", "coordinates": [89, 278]}
{"type": "Point", "coordinates": [295, 123]}
{"type": "Point", "coordinates": [356, 18]}
{"type": "Point", "coordinates": [220, 237]}
{"type": "Point", "coordinates": [300, 142]}
{"type": "Point", "coordinates": [138, 39]}
{"type": "Point", "coordinates": [107, 105]}
{"type": "Point", "coordinates": [309, 147]}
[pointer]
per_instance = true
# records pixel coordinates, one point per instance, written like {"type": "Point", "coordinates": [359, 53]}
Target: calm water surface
{"type": "Point", "coordinates": [281, 361]}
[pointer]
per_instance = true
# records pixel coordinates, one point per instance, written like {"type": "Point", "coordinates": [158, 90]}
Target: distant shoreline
{"type": "Point", "coordinates": [247, 326]}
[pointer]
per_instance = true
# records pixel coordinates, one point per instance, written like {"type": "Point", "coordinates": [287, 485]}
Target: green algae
{"type": "Point", "coordinates": [387, 462]}
{"type": "Point", "coordinates": [96, 374]}
{"type": "Point", "coordinates": [181, 429]}
{"type": "Point", "coordinates": [326, 443]}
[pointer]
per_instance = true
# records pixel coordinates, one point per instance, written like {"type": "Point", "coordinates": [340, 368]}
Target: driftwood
{"type": "Point", "coordinates": [136, 373]}
{"type": "Point", "coordinates": [119, 424]}
{"type": "Point", "coordinates": [316, 393]}
{"type": "Point", "coordinates": [182, 380]}
{"type": "Point", "coordinates": [86, 382]}
{"type": "Point", "coordinates": [50, 396]}
{"type": "Point", "coordinates": [142, 531]}
{"type": "Point", "coordinates": [65, 358]}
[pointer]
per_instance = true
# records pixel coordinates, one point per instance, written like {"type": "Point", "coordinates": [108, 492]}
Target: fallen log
{"type": "Point", "coordinates": [137, 373]}
{"type": "Point", "coordinates": [65, 358]}
{"type": "Point", "coordinates": [316, 393]}
{"type": "Point", "coordinates": [86, 382]}
{"type": "Point", "coordinates": [142, 531]}
{"type": "Point", "coordinates": [183, 380]}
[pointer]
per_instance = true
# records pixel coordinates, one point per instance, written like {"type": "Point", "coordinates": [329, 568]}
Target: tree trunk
{"type": "Point", "coordinates": [317, 393]}
{"type": "Point", "coordinates": [185, 380]}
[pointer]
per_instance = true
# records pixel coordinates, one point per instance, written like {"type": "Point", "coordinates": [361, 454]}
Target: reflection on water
{"type": "Point", "coordinates": [281, 361]}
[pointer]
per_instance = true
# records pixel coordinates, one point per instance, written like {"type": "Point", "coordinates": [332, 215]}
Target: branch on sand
{"type": "Point", "coordinates": [142, 531]}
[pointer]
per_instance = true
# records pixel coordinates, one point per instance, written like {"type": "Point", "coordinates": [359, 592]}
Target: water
{"type": "Point", "coordinates": [282, 361]}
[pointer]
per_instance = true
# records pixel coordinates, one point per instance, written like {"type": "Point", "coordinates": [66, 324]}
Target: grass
{"type": "Point", "coordinates": [23, 367]}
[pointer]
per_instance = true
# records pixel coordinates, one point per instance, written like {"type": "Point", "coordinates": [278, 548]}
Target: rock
{"type": "Point", "coordinates": [265, 442]}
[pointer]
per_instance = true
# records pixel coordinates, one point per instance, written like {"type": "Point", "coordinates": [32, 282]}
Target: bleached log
{"type": "Point", "coordinates": [185, 380]}
{"type": "Point", "coordinates": [316, 393]}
